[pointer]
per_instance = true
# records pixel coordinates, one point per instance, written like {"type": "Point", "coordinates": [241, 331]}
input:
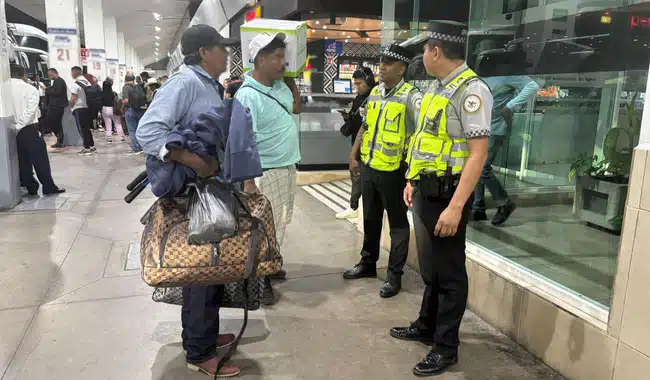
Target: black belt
{"type": "Point", "coordinates": [437, 187]}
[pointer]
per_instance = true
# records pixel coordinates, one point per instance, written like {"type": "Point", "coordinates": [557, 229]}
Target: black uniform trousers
{"type": "Point", "coordinates": [200, 320]}
{"type": "Point", "coordinates": [32, 153]}
{"type": "Point", "coordinates": [55, 122]}
{"type": "Point", "coordinates": [384, 191]}
{"type": "Point", "coordinates": [442, 267]}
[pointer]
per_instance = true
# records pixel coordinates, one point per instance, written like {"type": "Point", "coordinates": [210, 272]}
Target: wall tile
{"type": "Point", "coordinates": [567, 343]}
{"type": "Point", "coordinates": [495, 299]}
{"type": "Point", "coordinates": [637, 176]}
{"type": "Point", "coordinates": [635, 329]}
{"type": "Point", "coordinates": [622, 270]}
{"type": "Point", "coordinates": [630, 364]}
{"type": "Point", "coordinates": [645, 189]}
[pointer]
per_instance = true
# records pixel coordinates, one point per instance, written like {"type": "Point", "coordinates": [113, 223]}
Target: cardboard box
{"type": "Point", "coordinates": [296, 52]}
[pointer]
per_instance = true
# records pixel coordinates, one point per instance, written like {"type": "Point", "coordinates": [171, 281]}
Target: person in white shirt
{"type": "Point", "coordinates": [32, 151]}
{"type": "Point", "coordinates": [80, 111]}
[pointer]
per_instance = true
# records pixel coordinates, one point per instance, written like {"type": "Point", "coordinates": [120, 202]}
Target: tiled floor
{"type": "Point", "coordinates": [74, 308]}
{"type": "Point", "coordinates": [546, 240]}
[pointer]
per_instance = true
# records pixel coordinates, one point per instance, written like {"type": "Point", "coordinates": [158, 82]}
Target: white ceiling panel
{"type": "Point", "coordinates": [136, 20]}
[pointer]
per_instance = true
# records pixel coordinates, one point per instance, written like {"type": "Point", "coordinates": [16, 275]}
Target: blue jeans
{"type": "Point", "coordinates": [489, 180]}
{"type": "Point", "coordinates": [200, 319]}
{"type": "Point", "coordinates": [132, 120]}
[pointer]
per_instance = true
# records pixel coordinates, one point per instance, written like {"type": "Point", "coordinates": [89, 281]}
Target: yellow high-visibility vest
{"type": "Point", "coordinates": [432, 150]}
{"type": "Point", "coordinates": [385, 139]}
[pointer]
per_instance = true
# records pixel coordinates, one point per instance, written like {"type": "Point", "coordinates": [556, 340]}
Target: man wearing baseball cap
{"type": "Point", "coordinates": [445, 158]}
{"type": "Point", "coordinates": [180, 100]}
{"type": "Point", "coordinates": [272, 102]}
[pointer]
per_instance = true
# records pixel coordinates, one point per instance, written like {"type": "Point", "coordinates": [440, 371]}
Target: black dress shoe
{"type": "Point", "coordinates": [411, 333]}
{"type": "Point", "coordinates": [434, 364]}
{"type": "Point", "coordinates": [479, 216]}
{"type": "Point", "coordinates": [503, 214]}
{"type": "Point", "coordinates": [360, 271]}
{"type": "Point", "coordinates": [390, 288]}
{"type": "Point", "coordinates": [57, 191]}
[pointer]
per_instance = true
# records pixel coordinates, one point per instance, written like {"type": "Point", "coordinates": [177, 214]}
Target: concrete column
{"type": "Point", "coordinates": [94, 37]}
{"type": "Point", "coordinates": [388, 22]}
{"type": "Point", "coordinates": [112, 53]}
{"type": "Point", "coordinates": [64, 52]}
{"type": "Point", "coordinates": [9, 175]}
{"type": "Point", "coordinates": [121, 49]}
{"type": "Point", "coordinates": [127, 57]}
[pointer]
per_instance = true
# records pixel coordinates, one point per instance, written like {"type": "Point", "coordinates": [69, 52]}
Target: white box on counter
{"type": "Point", "coordinates": [296, 33]}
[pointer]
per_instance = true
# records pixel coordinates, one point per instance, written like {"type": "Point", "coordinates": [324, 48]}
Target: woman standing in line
{"type": "Point", "coordinates": [110, 113]}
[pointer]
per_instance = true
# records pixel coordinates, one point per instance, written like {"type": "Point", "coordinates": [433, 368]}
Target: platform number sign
{"type": "Point", "coordinates": [63, 55]}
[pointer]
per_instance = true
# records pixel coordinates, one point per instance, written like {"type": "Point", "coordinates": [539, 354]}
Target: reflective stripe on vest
{"type": "Point", "coordinates": [385, 138]}
{"type": "Point", "coordinates": [431, 149]}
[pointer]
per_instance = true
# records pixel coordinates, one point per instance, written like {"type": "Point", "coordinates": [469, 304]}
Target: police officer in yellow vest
{"type": "Point", "coordinates": [445, 158]}
{"type": "Point", "coordinates": [391, 118]}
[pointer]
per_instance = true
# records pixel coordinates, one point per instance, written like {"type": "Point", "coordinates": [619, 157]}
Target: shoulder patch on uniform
{"type": "Point", "coordinates": [472, 103]}
{"type": "Point", "coordinates": [418, 102]}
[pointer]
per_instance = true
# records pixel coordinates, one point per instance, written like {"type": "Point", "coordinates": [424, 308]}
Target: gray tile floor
{"type": "Point", "coordinates": [70, 310]}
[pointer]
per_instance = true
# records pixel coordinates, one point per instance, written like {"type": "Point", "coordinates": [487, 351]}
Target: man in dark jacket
{"type": "Point", "coordinates": [364, 82]}
{"type": "Point", "coordinates": [57, 100]}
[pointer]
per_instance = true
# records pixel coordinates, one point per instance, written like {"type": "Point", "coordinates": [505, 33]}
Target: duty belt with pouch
{"type": "Point", "coordinates": [433, 187]}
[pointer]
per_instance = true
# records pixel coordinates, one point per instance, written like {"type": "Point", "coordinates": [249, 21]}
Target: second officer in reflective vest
{"type": "Point", "coordinates": [445, 159]}
{"type": "Point", "coordinates": [391, 117]}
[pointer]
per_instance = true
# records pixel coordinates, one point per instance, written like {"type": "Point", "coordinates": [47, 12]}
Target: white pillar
{"type": "Point", "coordinates": [64, 52]}
{"type": "Point", "coordinates": [121, 49]}
{"type": "Point", "coordinates": [94, 37]}
{"type": "Point", "coordinates": [9, 175]}
{"type": "Point", "coordinates": [63, 35]}
{"type": "Point", "coordinates": [112, 52]}
{"type": "Point", "coordinates": [127, 57]}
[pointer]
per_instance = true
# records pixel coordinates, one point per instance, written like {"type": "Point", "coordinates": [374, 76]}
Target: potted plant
{"type": "Point", "coordinates": [601, 184]}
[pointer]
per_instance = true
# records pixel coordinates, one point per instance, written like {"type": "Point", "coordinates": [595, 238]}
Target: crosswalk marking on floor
{"type": "Point", "coordinates": [336, 195]}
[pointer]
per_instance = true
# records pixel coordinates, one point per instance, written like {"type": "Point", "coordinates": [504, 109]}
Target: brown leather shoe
{"type": "Point", "coordinates": [210, 367]}
{"type": "Point", "coordinates": [224, 340]}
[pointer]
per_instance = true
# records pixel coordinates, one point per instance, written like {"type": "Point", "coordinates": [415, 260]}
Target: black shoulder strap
{"type": "Point", "coordinates": [268, 96]}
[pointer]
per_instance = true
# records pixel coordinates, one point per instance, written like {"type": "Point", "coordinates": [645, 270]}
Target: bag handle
{"type": "Point", "coordinates": [268, 96]}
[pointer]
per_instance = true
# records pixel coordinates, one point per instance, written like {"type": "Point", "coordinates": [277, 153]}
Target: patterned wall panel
{"type": "Point", "coordinates": [352, 49]}
{"type": "Point", "coordinates": [236, 65]}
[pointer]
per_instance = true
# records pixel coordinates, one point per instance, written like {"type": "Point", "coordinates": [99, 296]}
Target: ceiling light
{"type": "Point", "coordinates": [157, 43]}
{"type": "Point", "coordinates": [317, 22]}
{"type": "Point", "coordinates": [368, 39]}
{"type": "Point", "coordinates": [157, 28]}
{"type": "Point", "coordinates": [343, 33]}
{"type": "Point", "coordinates": [157, 16]}
{"type": "Point", "coordinates": [157, 37]}
{"type": "Point", "coordinates": [324, 26]}
{"type": "Point", "coordinates": [347, 40]}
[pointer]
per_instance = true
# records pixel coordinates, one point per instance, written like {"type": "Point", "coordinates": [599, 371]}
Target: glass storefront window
{"type": "Point", "coordinates": [565, 157]}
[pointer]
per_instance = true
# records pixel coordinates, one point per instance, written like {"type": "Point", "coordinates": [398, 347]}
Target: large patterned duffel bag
{"type": "Point", "coordinates": [168, 260]}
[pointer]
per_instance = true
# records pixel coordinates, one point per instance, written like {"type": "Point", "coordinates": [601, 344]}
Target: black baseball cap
{"type": "Point", "coordinates": [203, 36]}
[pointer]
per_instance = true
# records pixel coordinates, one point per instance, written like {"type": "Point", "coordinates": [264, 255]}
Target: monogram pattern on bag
{"type": "Point", "coordinates": [168, 260]}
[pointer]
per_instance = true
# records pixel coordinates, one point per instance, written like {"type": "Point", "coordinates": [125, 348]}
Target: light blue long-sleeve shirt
{"type": "Point", "coordinates": [508, 91]}
{"type": "Point", "coordinates": [185, 96]}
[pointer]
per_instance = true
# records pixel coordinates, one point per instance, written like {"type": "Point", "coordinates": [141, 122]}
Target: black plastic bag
{"type": "Point", "coordinates": [212, 212]}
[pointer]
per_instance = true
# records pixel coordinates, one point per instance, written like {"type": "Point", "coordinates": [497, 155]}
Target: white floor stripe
{"type": "Point", "coordinates": [343, 194]}
{"type": "Point", "coordinates": [324, 200]}
{"type": "Point", "coordinates": [343, 185]}
{"type": "Point", "coordinates": [336, 198]}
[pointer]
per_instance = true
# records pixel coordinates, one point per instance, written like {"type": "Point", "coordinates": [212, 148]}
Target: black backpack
{"type": "Point", "coordinates": [137, 97]}
{"type": "Point", "coordinates": [93, 95]}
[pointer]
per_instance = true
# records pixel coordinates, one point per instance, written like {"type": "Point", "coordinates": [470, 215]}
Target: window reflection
{"type": "Point", "coordinates": [565, 155]}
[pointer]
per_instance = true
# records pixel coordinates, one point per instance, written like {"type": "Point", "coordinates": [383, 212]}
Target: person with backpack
{"type": "Point", "coordinates": [111, 107]}
{"type": "Point", "coordinates": [135, 101]}
{"type": "Point", "coordinates": [94, 97]}
{"type": "Point", "coordinates": [79, 104]}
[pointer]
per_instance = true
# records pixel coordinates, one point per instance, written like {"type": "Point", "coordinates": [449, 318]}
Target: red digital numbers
{"type": "Point", "coordinates": [639, 22]}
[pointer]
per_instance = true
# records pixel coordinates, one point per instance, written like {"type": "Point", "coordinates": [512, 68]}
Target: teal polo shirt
{"type": "Point", "coordinates": [274, 127]}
